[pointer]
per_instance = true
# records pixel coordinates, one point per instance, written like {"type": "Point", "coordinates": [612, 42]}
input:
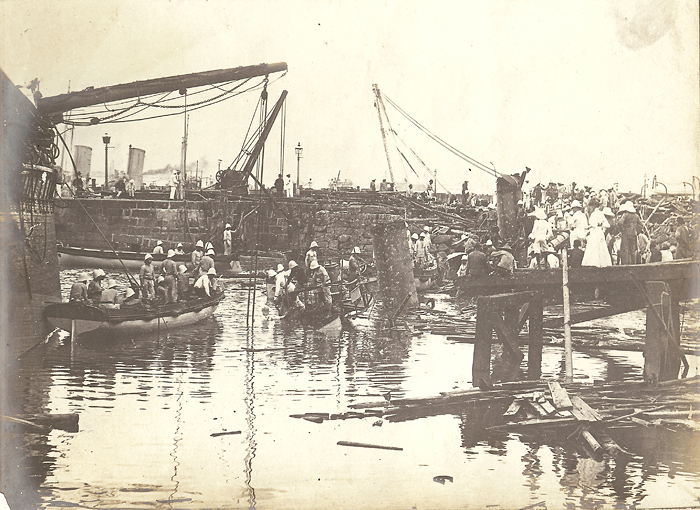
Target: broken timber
{"type": "Point", "coordinates": [506, 314]}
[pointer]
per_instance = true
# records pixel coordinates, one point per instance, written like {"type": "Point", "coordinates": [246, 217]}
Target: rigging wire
{"type": "Point", "coordinates": [441, 142]}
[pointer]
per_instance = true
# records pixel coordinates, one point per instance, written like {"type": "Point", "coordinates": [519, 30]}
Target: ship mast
{"type": "Point", "coordinates": [381, 110]}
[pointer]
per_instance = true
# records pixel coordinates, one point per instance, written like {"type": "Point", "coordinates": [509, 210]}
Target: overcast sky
{"type": "Point", "coordinates": [595, 92]}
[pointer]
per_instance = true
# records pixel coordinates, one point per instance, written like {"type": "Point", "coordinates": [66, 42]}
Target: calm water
{"type": "Point", "coordinates": [148, 406]}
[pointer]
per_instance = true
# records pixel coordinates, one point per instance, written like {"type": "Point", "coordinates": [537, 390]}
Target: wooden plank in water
{"type": "Point", "coordinates": [559, 395]}
{"type": "Point", "coordinates": [367, 445]}
{"type": "Point", "coordinates": [582, 411]}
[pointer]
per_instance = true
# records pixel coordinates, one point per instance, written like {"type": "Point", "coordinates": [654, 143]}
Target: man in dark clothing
{"type": "Point", "coordinates": [502, 261]}
{"type": "Point", "coordinates": [476, 262]}
{"type": "Point", "coordinates": [683, 250]}
{"type": "Point", "coordinates": [655, 252]}
{"type": "Point", "coordinates": [169, 270]}
{"type": "Point", "coordinates": [95, 287]}
{"type": "Point", "coordinates": [575, 254]}
{"type": "Point", "coordinates": [630, 226]}
{"type": "Point", "coordinates": [279, 185]}
{"type": "Point", "coordinates": [79, 290]}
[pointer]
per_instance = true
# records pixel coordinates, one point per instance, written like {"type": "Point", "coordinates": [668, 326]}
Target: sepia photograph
{"type": "Point", "coordinates": [321, 254]}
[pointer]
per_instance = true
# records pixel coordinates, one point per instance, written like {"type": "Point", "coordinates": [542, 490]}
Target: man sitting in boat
{"type": "Point", "coordinates": [183, 283]}
{"type": "Point", "coordinates": [477, 264]}
{"type": "Point", "coordinates": [158, 250]}
{"type": "Point", "coordinates": [179, 249]}
{"type": "Point", "coordinates": [206, 284]}
{"type": "Point", "coordinates": [130, 299]}
{"type": "Point", "coordinates": [147, 278]}
{"type": "Point", "coordinates": [502, 261]}
{"type": "Point", "coordinates": [79, 290]}
{"type": "Point", "coordinates": [95, 287]}
{"type": "Point", "coordinates": [319, 296]}
{"type": "Point", "coordinates": [110, 296]}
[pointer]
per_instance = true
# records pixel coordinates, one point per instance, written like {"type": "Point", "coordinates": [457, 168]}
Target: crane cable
{"type": "Point", "coordinates": [441, 142]}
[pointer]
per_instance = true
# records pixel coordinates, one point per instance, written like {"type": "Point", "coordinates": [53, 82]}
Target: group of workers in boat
{"type": "Point", "coordinates": [307, 285]}
{"type": "Point", "coordinates": [161, 284]}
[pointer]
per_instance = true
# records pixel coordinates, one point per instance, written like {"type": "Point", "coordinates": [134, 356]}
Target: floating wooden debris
{"type": "Point", "coordinates": [443, 478]}
{"type": "Point", "coordinates": [367, 445]}
{"type": "Point", "coordinates": [225, 433]}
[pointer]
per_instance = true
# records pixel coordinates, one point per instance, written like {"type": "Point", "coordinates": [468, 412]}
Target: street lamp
{"type": "Point", "coordinates": [105, 139]}
{"type": "Point", "coordinates": [298, 149]}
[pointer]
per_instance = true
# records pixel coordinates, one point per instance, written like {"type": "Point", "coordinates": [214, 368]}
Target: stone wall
{"type": "Point", "coordinates": [287, 226]}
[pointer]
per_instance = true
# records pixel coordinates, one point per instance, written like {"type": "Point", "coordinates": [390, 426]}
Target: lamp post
{"type": "Point", "coordinates": [298, 149]}
{"type": "Point", "coordinates": [105, 139]}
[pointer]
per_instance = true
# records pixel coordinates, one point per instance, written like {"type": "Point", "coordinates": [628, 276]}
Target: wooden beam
{"type": "Point", "coordinates": [65, 102]}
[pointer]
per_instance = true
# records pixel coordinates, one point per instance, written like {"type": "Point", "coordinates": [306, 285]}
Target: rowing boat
{"type": "Point", "coordinates": [83, 258]}
{"type": "Point", "coordinates": [137, 319]}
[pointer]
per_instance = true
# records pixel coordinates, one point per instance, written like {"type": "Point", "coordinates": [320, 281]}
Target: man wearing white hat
{"type": "Point", "coordinates": [227, 239]}
{"type": "Point", "coordinates": [79, 290]}
{"type": "Point", "coordinates": [175, 183]}
{"type": "Point", "coordinates": [320, 296]}
{"type": "Point", "coordinates": [169, 270]}
{"type": "Point", "coordinates": [158, 250]}
{"type": "Point", "coordinates": [179, 249]}
{"type": "Point", "coordinates": [95, 288]}
{"type": "Point", "coordinates": [355, 265]}
{"type": "Point", "coordinates": [579, 223]}
{"type": "Point", "coordinates": [110, 296]}
{"type": "Point", "coordinates": [183, 283]}
{"type": "Point", "coordinates": [197, 255]}
{"type": "Point", "coordinates": [311, 254]}
{"type": "Point", "coordinates": [206, 263]}
{"type": "Point", "coordinates": [147, 278]}
{"type": "Point", "coordinates": [206, 283]}
{"type": "Point", "coordinates": [630, 226]}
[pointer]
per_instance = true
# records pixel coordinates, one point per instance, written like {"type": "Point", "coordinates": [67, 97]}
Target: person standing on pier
{"type": "Point", "coordinates": [683, 239]}
{"type": "Point", "coordinates": [289, 186]}
{"type": "Point", "coordinates": [596, 253]}
{"type": "Point", "coordinates": [279, 185]}
{"type": "Point", "coordinates": [630, 226]}
{"type": "Point", "coordinates": [147, 278]}
{"type": "Point", "coordinates": [175, 191]}
{"type": "Point", "coordinates": [579, 223]}
{"type": "Point", "coordinates": [169, 269]}
{"type": "Point", "coordinates": [227, 239]}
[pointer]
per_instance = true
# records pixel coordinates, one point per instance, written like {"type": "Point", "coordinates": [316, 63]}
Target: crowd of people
{"type": "Point", "coordinates": [307, 285]}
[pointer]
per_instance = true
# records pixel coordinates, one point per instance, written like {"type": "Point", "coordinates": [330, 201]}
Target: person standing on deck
{"type": "Point", "coordinates": [158, 250]}
{"type": "Point", "coordinates": [197, 255]}
{"type": "Point", "coordinates": [95, 288]}
{"type": "Point", "coordinates": [321, 284]}
{"type": "Point", "coordinates": [311, 254]}
{"type": "Point", "coordinates": [227, 239]}
{"type": "Point", "coordinates": [683, 239]}
{"type": "Point", "coordinates": [373, 185]}
{"type": "Point", "coordinates": [183, 283]}
{"type": "Point", "coordinates": [147, 278]}
{"type": "Point", "coordinates": [206, 263]}
{"type": "Point", "coordinates": [630, 225]}
{"type": "Point", "coordinates": [79, 290]}
{"type": "Point", "coordinates": [169, 269]}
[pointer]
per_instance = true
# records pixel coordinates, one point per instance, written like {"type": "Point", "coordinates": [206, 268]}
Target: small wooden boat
{"type": "Point", "coordinates": [84, 258]}
{"type": "Point", "coordinates": [426, 279]}
{"type": "Point", "coordinates": [131, 320]}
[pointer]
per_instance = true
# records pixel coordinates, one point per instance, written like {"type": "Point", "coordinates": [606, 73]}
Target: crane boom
{"type": "Point", "coordinates": [56, 105]}
{"type": "Point", "coordinates": [382, 110]}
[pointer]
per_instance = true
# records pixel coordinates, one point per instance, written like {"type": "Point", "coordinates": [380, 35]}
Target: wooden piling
{"type": "Point", "coordinates": [394, 265]}
{"type": "Point", "coordinates": [568, 351]}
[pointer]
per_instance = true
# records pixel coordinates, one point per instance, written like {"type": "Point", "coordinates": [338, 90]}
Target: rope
{"type": "Point", "coordinates": [441, 142]}
{"type": "Point", "coordinates": [132, 281]}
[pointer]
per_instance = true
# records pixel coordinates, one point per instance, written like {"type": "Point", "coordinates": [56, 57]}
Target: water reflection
{"type": "Point", "coordinates": [148, 406]}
